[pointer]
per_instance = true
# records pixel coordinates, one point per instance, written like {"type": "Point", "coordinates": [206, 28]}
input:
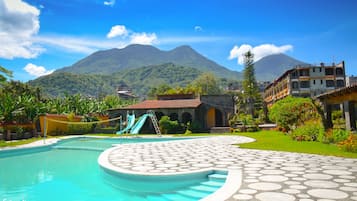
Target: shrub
{"type": "Point", "coordinates": [292, 112]}
{"type": "Point", "coordinates": [339, 135]}
{"type": "Point", "coordinates": [333, 136]}
{"type": "Point", "coordinates": [79, 128]}
{"type": "Point", "coordinates": [168, 126]}
{"type": "Point", "coordinates": [350, 144]}
{"type": "Point", "coordinates": [57, 132]}
{"type": "Point", "coordinates": [308, 132]}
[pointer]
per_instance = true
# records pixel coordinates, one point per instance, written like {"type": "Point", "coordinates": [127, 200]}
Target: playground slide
{"type": "Point", "coordinates": [136, 128]}
{"type": "Point", "coordinates": [131, 121]}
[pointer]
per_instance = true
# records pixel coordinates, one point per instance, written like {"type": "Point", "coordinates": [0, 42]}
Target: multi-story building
{"type": "Point", "coordinates": [306, 81]}
{"type": "Point", "coordinates": [351, 80]}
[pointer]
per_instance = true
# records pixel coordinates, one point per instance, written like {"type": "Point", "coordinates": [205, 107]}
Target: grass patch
{"type": "Point", "coordinates": [17, 142]}
{"type": "Point", "coordinates": [277, 141]}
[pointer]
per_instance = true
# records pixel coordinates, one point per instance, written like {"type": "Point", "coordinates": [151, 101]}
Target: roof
{"type": "Point", "coordinates": [166, 104]}
{"type": "Point", "coordinates": [339, 95]}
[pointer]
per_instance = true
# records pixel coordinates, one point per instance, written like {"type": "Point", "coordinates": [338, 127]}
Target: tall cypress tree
{"type": "Point", "coordinates": [250, 86]}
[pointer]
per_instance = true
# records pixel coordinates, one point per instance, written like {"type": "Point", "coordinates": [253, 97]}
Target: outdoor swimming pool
{"type": "Point", "coordinates": [69, 171]}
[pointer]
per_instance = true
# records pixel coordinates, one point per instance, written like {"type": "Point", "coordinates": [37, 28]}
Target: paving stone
{"type": "Point", "coordinates": [242, 197]}
{"type": "Point", "coordinates": [292, 182]}
{"type": "Point", "coordinates": [293, 168]}
{"type": "Point", "coordinates": [347, 188]}
{"type": "Point", "coordinates": [290, 175]}
{"type": "Point", "coordinates": [299, 179]}
{"type": "Point", "coordinates": [304, 196]}
{"type": "Point", "coordinates": [299, 187]}
{"type": "Point", "coordinates": [321, 184]}
{"type": "Point", "coordinates": [334, 167]}
{"type": "Point", "coordinates": [291, 191]}
{"type": "Point", "coordinates": [347, 177]}
{"type": "Point", "coordinates": [342, 180]}
{"type": "Point", "coordinates": [293, 164]}
{"type": "Point", "coordinates": [247, 191]}
{"type": "Point", "coordinates": [269, 196]}
{"type": "Point", "coordinates": [272, 172]}
{"type": "Point", "coordinates": [251, 180]}
{"type": "Point", "coordinates": [273, 178]}
{"type": "Point", "coordinates": [337, 172]}
{"type": "Point", "coordinates": [351, 184]}
{"type": "Point", "coordinates": [327, 193]}
{"type": "Point", "coordinates": [318, 176]}
{"type": "Point", "coordinates": [265, 186]}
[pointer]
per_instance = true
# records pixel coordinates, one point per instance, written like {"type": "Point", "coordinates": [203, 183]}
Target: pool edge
{"type": "Point", "coordinates": [231, 185]}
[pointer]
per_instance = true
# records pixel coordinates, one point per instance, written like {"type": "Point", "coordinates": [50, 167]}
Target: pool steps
{"type": "Point", "coordinates": [193, 193]}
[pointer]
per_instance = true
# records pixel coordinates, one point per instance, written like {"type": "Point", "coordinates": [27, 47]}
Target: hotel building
{"type": "Point", "coordinates": [306, 81]}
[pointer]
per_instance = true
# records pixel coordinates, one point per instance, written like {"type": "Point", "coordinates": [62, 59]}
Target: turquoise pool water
{"type": "Point", "coordinates": [62, 173]}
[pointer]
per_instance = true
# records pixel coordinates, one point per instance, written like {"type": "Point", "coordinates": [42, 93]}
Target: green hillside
{"type": "Point", "coordinates": [140, 80]}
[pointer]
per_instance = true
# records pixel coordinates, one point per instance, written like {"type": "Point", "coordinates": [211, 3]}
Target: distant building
{"type": "Point", "coordinates": [207, 111]}
{"type": "Point", "coordinates": [306, 81]}
{"type": "Point", "coordinates": [351, 80]}
{"type": "Point", "coordinates": [124, 92]}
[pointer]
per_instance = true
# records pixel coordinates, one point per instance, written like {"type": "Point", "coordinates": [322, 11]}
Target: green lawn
{"type": "Point", "coordinates": [273, 140]}
{"type": "Point", "coordinates": [17, 142]}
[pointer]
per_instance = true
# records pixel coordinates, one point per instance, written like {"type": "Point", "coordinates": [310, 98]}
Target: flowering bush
{"type": "Point", "coordinates": [350, 144]}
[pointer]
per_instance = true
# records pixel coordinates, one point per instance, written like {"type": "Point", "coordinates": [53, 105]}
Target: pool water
{"type": "Point", "coordinates": [62, 173]}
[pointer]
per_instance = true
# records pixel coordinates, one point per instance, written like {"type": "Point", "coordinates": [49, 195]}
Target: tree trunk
{"type": "Point", "coordinates": [8, 134]}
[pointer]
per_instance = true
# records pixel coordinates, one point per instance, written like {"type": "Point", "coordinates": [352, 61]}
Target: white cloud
{"type": "Point", "coordinates": [78, 45]}
{"type": "Point", "coordinates": [259, 51]}
{"type": "Point", "coordinates": [143, 38]}
{"type": "Point", "coordinates": [37, 71]}
{"type": "Point", "coordinates": [19, 22]}
{"type": "Point", "coordinates": [109, 3]}
{"type": "Point", "coordinates": [198, 28]}
{"type": "Point", "coordinates": [117, 30]}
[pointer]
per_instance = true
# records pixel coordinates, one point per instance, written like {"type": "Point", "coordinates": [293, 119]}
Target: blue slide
{"type": "Point", "coordinates": [131, 121]}
{"type": "Point", "coordinates": [136, 128]}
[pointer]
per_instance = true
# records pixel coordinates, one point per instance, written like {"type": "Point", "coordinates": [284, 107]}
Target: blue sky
{"type": "Point", "coordinates": [39, 36]}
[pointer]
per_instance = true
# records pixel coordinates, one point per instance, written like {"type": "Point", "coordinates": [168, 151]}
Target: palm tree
{"type": "Point", "coordinates": [4, 73]}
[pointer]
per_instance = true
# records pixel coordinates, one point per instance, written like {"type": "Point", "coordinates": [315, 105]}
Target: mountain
{"type": "Point", "coordinates": [59, 83]}
{"type": "Point", "coordinates": [271, 67]}
{"type": "Point", "coordinates": [142, 79]}
{"type": "Point", "coordinates": [139, 79]}
{"type": "Point", "coordinates": [110, 61]}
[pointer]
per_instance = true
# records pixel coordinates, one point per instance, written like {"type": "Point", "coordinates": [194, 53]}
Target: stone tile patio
{"type": "Point", "coordinates": [266, 175]}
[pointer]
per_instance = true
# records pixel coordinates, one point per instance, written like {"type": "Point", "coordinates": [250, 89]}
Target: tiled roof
{"type": "Point", "coordinates": [156, 104]}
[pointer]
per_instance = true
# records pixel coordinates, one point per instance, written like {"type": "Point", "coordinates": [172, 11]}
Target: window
{"type": "Point", "coordinates": [314, 81]}
{"type": "Point", "coordinates": [321, 82]}
{"type": "Point", "coordinates": [313, 69]}
{"type": "Point", "coordinates": [339, 71]}
{"type": "Point", "coordinates": [304, 72]}
{"type": "Point", "coordinates": [320, 69]}
{"type": "Point", "coordinates": [304, 84]}
{"type": "Point", "coordinates": [294, 75]}
{"type": "Point", "coordinates": [340, 83]}
{"type": "Point", "coordinates": [295, 85]}
{"type": "Point", "coordinates": [328, 71]}
{"type": "Point", "coordinates": [330, 83]}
